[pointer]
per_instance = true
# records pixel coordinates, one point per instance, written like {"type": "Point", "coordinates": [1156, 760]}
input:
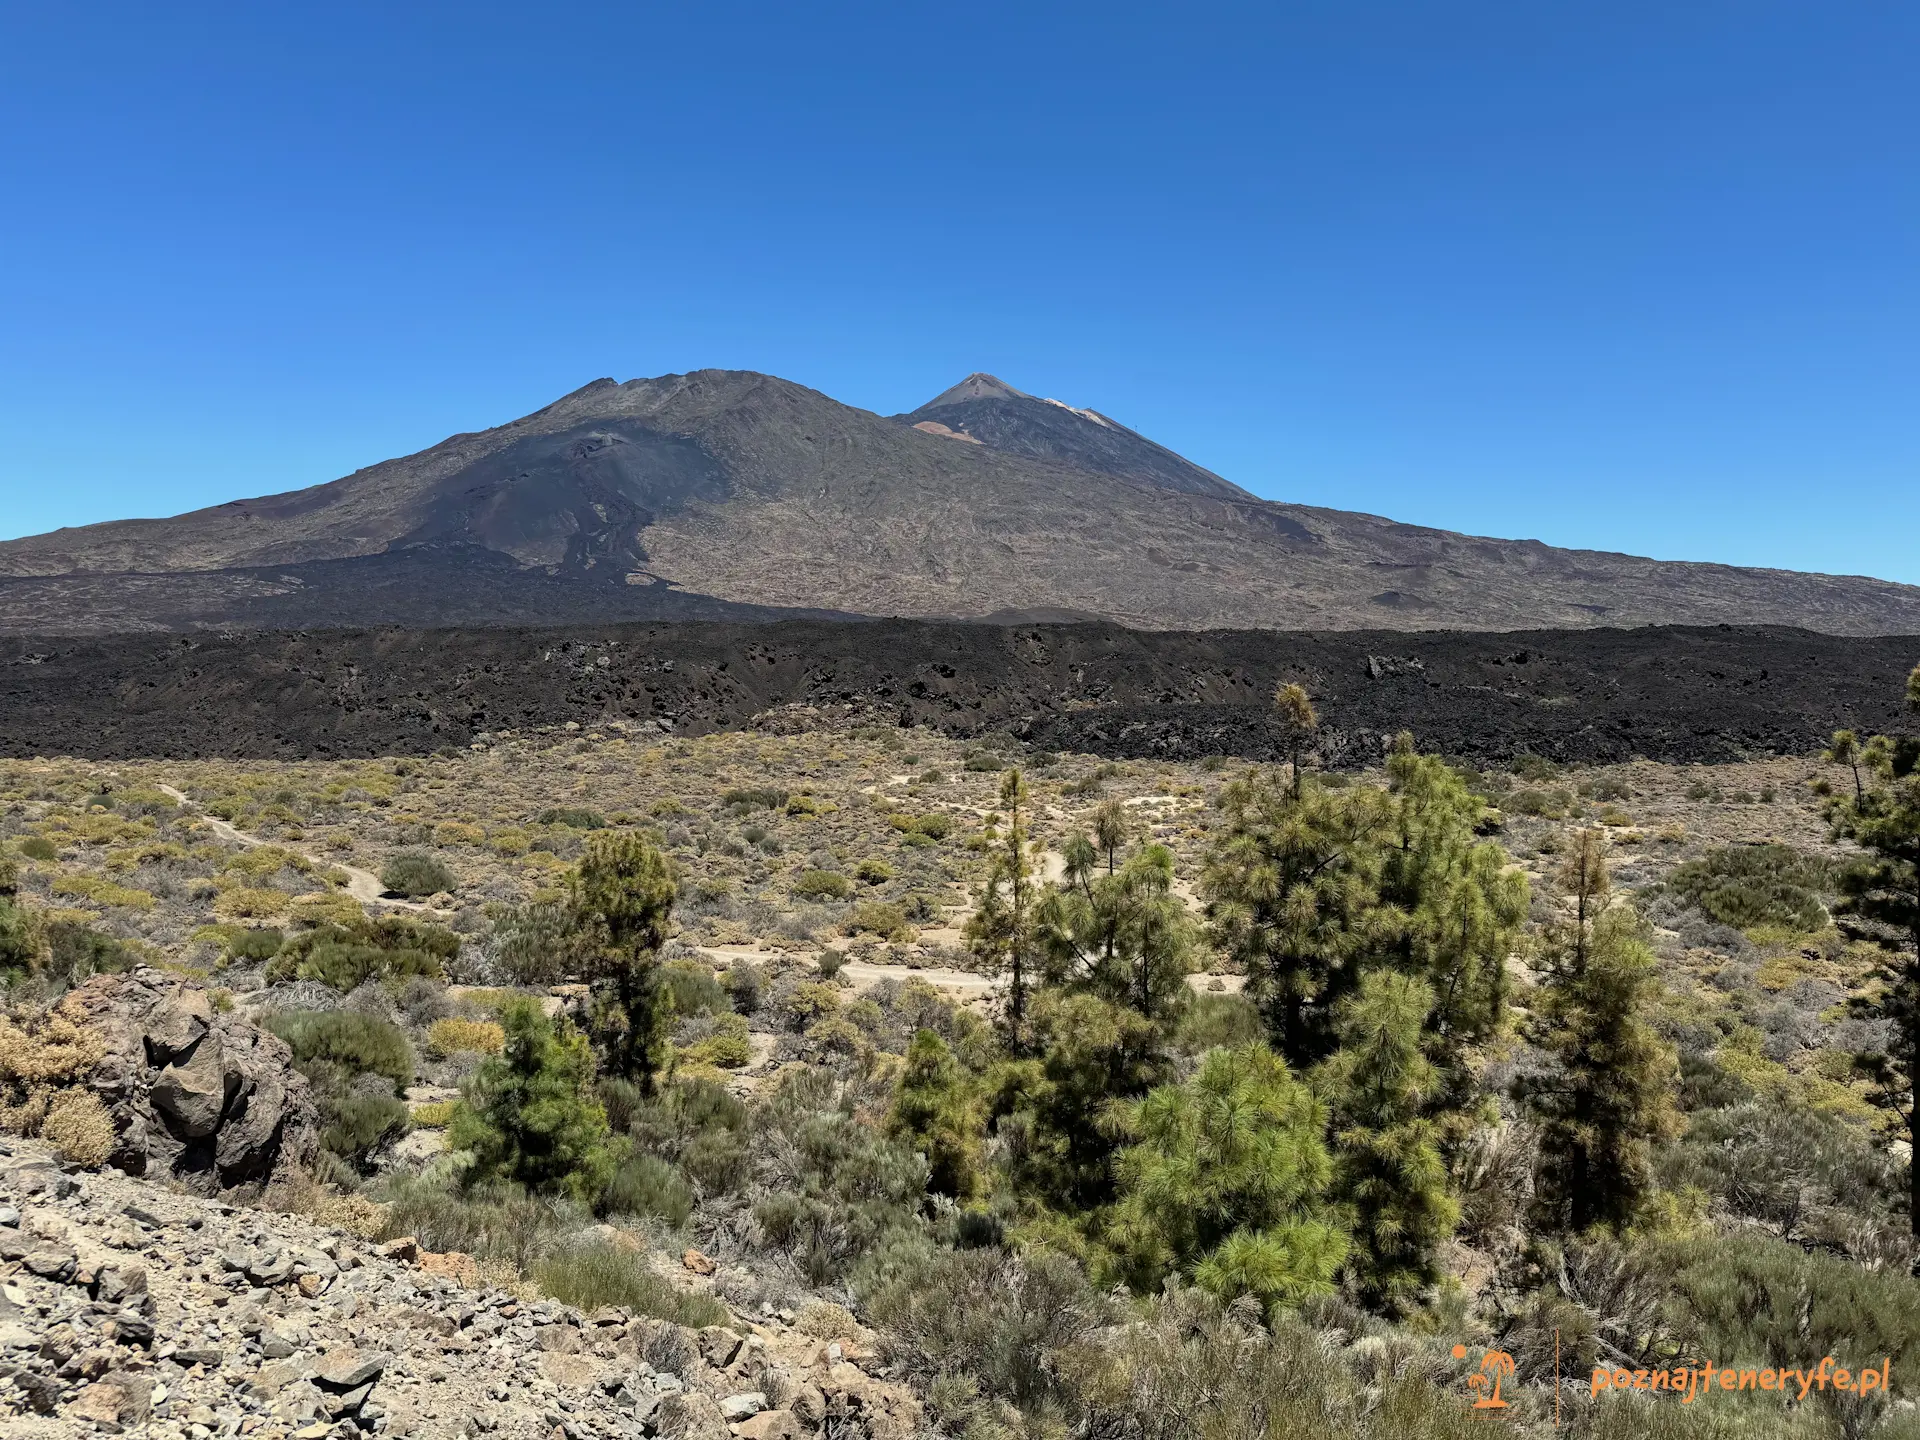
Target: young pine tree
{"type": "Point", "coordinates": [1606, 1098]}
{"type": "Point", "coordinates": [1050, 1110]}
{"type": "Point", "coordinates": [1226, 1181]}
{"type": "Point", "coordinates": [1292, 885]}
{"type": "Point", "coordinates": [934, 1112]}
{"type": "Point", "coordinates": [1120, 931]}
{"type": "Point", "coordinates": [1387, 1167]}
{"type": "Point", "coordinates": [1453, 909]}
{"type": "Point", "coordinates": [530, 1115]}
{"type": "Point", "coordinates": [622, 899]}
{"type": "Point", "coordinates": [1299, 723]}
{"type": "Point", "coordinates": [1884, 888]}
{"type": "Point", "coordinates": [1000, 932]}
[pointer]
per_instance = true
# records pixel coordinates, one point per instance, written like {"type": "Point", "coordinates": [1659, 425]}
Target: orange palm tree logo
{"type": "Point", "coordinates": [1496, 1366]}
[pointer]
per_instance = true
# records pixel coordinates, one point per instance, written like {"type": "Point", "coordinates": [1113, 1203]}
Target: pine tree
{"type": "Point", "coordinates": [1299, 723]}
{"type": "Point", "coordinates": [1122, 933]}
{"type": "Point", "coordinates": [1000, 932]}
{"type": "Point", "coordinates": [1457, 903]}
{"type": "Point", "coordinates": [530, 1115]}
{"type": "Point", "coordinates": [1292, 884]}
{"type": "Point", "coordinates": [934, 1111]}
{"type": "Point", "coordinates": [1387, 1166]}
{"type": "Point", "coordinates": [1845, 750]}
{"type": "Point", "coordinates": [1051, 1111]}
{"type": "Point", "coordinates": [1883, 890]}
{"type": "Point", "coordinates": [1226, 1181]}
{"type": "Point", "coordinates": [622, 898]}
{"type": "Point", "coordinates": [1606, 1099]}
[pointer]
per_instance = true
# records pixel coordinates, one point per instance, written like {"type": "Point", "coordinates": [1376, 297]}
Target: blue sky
{"type": "Point", "coordinates": [1630, 276]}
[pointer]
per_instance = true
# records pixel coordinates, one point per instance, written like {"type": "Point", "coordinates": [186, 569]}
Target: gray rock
{"type": "Point", "coordinates": [348, 1401]}
{"type": "Point", "coordinates": [743, 1405]}
{"type": "Point", "coordinates": [349, 1369]}
{"type": "Point", "coordinates": [200, 1098]}
{"type": "Point", "coordinates": [690, 1415]}
{"type": "Point", "coordinates": [51, 1264]}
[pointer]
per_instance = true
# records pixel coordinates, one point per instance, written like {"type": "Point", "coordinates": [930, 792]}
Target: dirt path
{"type": "Point", "coordinates": [362, 885]}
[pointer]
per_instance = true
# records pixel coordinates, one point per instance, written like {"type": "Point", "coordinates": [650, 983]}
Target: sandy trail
{"type": "Point", "coordinates": [362, 885]}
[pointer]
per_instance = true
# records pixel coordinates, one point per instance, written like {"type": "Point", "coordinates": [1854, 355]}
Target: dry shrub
{"type": "Point", "coordinates": [25, 1116]}
{"type": "Point", "coordinates": [46, 1048]}
{"type": "Point", "coordinates": [446, 1037]}
{"type": "Point", "coordinates": [301, 1194]}
{"type": "Point", "coordinates": [826, 1321]}
{"type": "Point", "coordinates": [79, 1128]}
{"type": "Point", "coordinates": [248, 902]}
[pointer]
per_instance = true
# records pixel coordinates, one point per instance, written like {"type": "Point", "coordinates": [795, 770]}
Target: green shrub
{"type": "Point", "coordinates": [355, 1043]}
{"type": "Point", "coordinates": [648, 1185]}
{"type": "Point", "coordinates": [743, 983]}
{"type": "Point", "coordinates": [822, 885]}
{"type": "Point", "coordinates": [1751, 885]}
{"type": "Point", "coordinates": [39, 847]}
{"type": "Point", "coordinates": [838, 1193]}
{"type": "Point", "coordinates": [1542, 804]}
{"type": "Point", "coordinates": [573, 818]}
{"type": "Point", "coordinates": [347, 956]}
{"type": "Point", "coordinates": [934, 827]}
{"type": "Point", "coordinates": [875, 917]}
{"type": "Point", "coordinates": [1750, 1298]}
{"type": "Point", "coordinates": [755, 799]}
{"type": "Point", "coordinates": [873, 872]}
{"type": "Point", "coordinates": [253, 944]}
{"type": "Point", "coordinates": [489, 1222]}
{"type": "Point", "coordinates": [19, 940]}
{"type": "Point", "coordinates": [1004, 1319]}
{"type": "Point", "coordinates": [347, 967]}
{"type": "Point", "coordinates": [76, 952]}
{"type": "Point", "coordinates": [357, 1126]}
{"type": "Point", "coordinates": [726, 1045]}
{"type": "Point", "coordinates": [413, 873]}
{"type": "Point", "coordinates": [588, 1276]}
{"type": "Point", "coordinates": [695, 988]}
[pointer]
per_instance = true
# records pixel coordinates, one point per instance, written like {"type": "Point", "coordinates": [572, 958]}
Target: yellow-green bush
{"type": "Point", "coordinates": [248, 902]}
{"type": "Point", "coordinates": [726, 1047]}
{"type": "Point", "coordinates": [78, 1127]}
{"type": "Point", "coordinates": [102, 892]}
{"type": "Point", "coordinates": [446, 1037]}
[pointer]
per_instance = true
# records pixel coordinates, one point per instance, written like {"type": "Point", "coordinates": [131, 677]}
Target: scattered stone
{"type": "Point", "coordinates": [743, 1405]}
{"type": "Point", "coordinates": [769, 1425]}
{"type": "Point", "coordinates": [347, 1369]}
{"type": "Point", "coordinates": [696, 1262]}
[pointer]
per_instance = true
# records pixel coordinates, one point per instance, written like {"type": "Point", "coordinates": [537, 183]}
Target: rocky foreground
{"type": "Point", "coordinates": [131, 1308]}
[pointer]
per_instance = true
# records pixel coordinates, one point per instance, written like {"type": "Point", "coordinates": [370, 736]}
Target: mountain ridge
{"type": "Point", "coordinates": [757, 497]}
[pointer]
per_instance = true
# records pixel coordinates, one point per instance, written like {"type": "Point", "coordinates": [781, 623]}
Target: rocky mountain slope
{"type": "Point", "coordinates": [729, 494]}
{"type": "Point", "coordinates": [142, 1298]}
{"type": "Point", "coordinates": [133, 1308]}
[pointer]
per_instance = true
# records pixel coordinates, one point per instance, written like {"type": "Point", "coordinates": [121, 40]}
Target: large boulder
{"type": "Point", "coordinates": [198, 1096]}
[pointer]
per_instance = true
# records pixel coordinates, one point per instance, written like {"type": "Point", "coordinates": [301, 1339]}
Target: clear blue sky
{"type": "Point", "coordinates": [1625, 275]}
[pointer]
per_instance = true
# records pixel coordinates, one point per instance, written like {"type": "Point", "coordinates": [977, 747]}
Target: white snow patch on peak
{"type": "Point", "coordinates": [1092, 415]}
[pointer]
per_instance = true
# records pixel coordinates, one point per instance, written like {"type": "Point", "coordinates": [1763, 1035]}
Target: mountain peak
{"type": "Point", "coordinates": [977, 386]}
